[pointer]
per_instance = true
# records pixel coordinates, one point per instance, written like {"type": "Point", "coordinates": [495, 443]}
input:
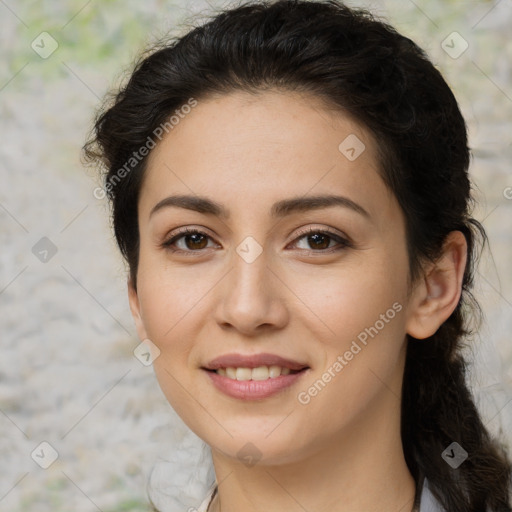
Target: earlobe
{"type": "Point", "coordinates": [438, 292]}
{"type": "Point", "coordinates": [133, 300]}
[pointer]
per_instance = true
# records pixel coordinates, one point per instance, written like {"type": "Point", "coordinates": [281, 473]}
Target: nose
{"type": "Point", "coordinates": [251, 298]}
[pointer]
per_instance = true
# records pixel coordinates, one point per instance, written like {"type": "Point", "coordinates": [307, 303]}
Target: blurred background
{"type": "Point", "coordinates": [82, 421]}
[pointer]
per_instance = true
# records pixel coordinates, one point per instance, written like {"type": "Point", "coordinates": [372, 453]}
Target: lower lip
{"type": "Point", "coordinates": [253, 389]}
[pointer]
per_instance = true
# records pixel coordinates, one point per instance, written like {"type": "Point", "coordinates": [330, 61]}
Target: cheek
{"type": "Point", "coordinates": [169, 298]}
{"type": "Point", "coordinates": [362, 363]}
{"type": "Point", "coordinates": [364, 309]}
{"type": "Point", "coordinates": [169, 305]}
{"type": "Point", "coordinates": [342, 302]}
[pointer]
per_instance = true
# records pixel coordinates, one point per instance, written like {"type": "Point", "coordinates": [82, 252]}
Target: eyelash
{"type": "Point", "coordinates": [343, 243]}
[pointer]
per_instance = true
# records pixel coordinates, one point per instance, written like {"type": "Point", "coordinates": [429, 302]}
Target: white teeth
{"type": "Point", "coordinates": [274, 371]}
{"type": "Point", "coordinates": [243, 373]}
{"type": "Point", "coordinates": [259, 373]}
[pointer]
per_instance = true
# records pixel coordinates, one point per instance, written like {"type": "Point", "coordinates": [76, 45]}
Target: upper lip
{"type": "Point", "coordinates": [253, 361]}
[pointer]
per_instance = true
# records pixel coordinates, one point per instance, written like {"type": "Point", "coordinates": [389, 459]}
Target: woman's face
{"type": "Point", "coordinates": [296, 250]}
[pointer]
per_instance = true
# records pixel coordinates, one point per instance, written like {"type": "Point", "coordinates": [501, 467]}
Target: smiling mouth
{"type": "Point", "coordinates": [259, 373]}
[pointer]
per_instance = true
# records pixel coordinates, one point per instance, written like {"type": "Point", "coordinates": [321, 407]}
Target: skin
{"type": "Point", "coordinates": [342, 450]}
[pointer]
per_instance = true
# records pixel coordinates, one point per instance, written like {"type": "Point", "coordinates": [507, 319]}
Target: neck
{"type": "Point", "coordinates": [363, 469]}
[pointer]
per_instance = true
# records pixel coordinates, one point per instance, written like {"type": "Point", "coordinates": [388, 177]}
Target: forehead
{"type": "Point", "coordinates": [251, 147]}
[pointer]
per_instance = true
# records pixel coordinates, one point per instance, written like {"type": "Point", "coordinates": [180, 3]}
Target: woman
{"type": "Point", "coordinates": [290, 189]}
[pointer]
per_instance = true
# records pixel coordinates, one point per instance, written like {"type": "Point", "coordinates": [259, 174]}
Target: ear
{"type": "Point", "coordinates": [133, 299]}
{"type": "Point", "coordinates": [437, 293]}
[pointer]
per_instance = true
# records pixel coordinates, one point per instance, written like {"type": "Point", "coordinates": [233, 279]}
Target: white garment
{"type": "Point", "coordinates": [427, 501]}
{"type": "Point", "coordinates": [206, 502]}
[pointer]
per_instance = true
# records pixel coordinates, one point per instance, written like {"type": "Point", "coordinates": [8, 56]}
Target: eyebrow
{"type": "Point", "coordinates": [279, 209]}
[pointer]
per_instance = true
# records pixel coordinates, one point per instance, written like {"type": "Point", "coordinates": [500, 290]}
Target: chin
{"type": "Point", "coordinates": [254, 447]}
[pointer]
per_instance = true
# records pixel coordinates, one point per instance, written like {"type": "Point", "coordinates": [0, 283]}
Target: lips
{"type": "Point", "coordinates": [253, 361]}
{"type": "Point", "coordinates": [253, 377]}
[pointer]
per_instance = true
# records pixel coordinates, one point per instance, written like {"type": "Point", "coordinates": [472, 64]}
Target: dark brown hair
{"type": "Point", "coordinates": [363, 67]}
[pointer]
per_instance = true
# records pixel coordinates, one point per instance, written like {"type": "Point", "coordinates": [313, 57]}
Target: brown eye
{"type": "Point", "coordinates": [321, 241]}
{"type": "Point", "coordinates": [189, 240]}
{"type": "Point", "coordinates": [195, 241]}
{"type": "Point", "coordinates": [318, 241]}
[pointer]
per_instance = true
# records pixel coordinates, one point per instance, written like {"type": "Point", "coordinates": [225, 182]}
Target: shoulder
{"type": "Point", "coordinates": [428, 503]}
